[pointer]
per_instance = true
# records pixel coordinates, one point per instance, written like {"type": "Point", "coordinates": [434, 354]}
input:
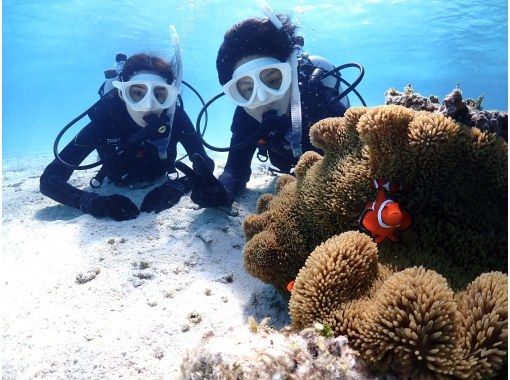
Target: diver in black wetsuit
{"type": "Point", "coordinates": [255, 68]}
{"type": "Point", "coordinates": [144, 105]}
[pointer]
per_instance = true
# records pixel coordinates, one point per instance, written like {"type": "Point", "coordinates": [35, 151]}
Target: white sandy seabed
{"type": "Point", "coordinates": [86, 298]}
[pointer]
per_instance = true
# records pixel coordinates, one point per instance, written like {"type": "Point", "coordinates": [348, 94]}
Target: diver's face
{"type": "Point", "coordinates": [272, 78]}
{"type": "Point", "coordinates": [138, 93]}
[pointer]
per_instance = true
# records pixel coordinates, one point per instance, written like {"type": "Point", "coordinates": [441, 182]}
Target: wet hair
{"type": "Point", "coordinates": [255, 36]}
{"type": "Point", "coordinates": [144, 62]}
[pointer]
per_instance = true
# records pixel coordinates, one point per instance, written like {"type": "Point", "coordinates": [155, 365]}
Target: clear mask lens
{"type": "Point", "coordinates": [259, 82]}
{"type": "Point", "coordinates": [160, 93]}
{"type": "Point", "coordinates": [245, 87]}
{"type": "Point", "coordinates": [147, 95]}
{"type": "Point", "coordinates": [272, 78]}
{"type": "Point", "coordinates": [137, 92]}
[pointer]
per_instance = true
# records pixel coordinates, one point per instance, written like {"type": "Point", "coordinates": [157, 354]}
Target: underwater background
{"type": "Point", "coordinates": [55, 53]}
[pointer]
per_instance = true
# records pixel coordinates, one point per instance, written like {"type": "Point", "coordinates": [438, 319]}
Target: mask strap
{"type": "Point", "coordinates": [295, 135]}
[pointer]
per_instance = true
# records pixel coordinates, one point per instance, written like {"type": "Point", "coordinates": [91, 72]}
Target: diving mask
{"type": "Point", "coordinates": [259, 82]}
{"type": "Point", "coordinates": [147, 92]}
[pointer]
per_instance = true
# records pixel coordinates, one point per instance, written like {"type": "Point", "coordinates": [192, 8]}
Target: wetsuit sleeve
{"type": "Point", "coordinates": [238, 168]}
{"type": "Point", "coordinates": [191, 142]}
{"type": "Point", "coordinates": [53, 181]}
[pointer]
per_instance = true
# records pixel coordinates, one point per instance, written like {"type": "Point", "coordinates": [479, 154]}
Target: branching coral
{"type": "Point", "coordinates": [395, 301]}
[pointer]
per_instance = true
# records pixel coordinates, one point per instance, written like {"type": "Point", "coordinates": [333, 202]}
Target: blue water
{"type": "Point", "coordinates": [55, 52]}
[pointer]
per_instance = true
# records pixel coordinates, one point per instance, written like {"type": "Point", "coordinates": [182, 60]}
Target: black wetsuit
{"type": "Point", "coordinates": [110, 127]}
{"type": "Point", "coordinates": [313, 108]}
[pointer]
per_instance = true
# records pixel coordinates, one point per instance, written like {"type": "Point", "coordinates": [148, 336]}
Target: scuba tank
{"type": "Point", "coordinates": [322, 66]}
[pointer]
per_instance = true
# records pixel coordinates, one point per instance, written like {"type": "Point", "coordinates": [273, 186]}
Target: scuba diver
{"type": "Point", "coordinates": [135, 128]}
{"type": "Point", "coordinates": [280, 93]}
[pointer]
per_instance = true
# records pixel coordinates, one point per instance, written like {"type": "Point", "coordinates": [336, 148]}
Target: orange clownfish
{"type": "Point", "coordinates": [383, 217]}
{"type": "Point", "coordinates": [290, 286]}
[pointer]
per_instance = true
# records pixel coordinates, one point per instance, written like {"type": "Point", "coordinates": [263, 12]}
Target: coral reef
{"type": "Point", "coordinates": [260, 352]}
{"type": "Point", "coordinates": [409, 321]}
{"type": "Point", "coordinates": [425, 305]}
{"type": "Point", "coordinates": [468, 112]}
{"type": "Point", "coordinates": [454, 183]}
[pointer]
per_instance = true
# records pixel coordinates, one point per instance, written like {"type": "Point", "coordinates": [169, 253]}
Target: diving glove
{"type": "Point", "coordinates": [163, 197]}
{"type": "Point", "coordinates": [115, 206]}
{"type": "Point", "coordinates": [206, 190]}
{"type": "Point", "coordinates": [157, 126]}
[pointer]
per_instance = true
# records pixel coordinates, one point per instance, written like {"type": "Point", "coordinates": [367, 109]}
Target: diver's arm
{"type": "Point", "coordinates": [238, 168]}
{"type": "Point", "coordinates": [191, 142]}
{"type": "Point", "coordinates": [53, 181]}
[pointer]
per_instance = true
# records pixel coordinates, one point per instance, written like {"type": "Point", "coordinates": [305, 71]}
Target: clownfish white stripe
{"type": "Point", "coordinates": [379, 213]}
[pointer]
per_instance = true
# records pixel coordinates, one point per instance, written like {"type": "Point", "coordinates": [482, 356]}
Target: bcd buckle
{"type": "Point", "coordinates": [262, 153]}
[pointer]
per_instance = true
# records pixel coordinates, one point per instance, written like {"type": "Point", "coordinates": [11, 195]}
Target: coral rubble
{"type": "Point", "coordinates": [260, 352]}
{"type": "Point", "coordinates": [468, 112]}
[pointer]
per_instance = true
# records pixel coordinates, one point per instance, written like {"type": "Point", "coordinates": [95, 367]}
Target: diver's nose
{"type": "Point", "coordinates": [261, 94]}
{"type": "Point", "coordinates": [152, 102]}
{"type": "Point", "coordinates": [149, 102]}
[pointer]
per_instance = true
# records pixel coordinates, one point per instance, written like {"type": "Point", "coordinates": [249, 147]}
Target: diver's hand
{"type": "Point", "coordinates": [162, 197]}
{"type": "Point", "coordinates": [206, 190]}
{"type": "Point", "coordinates": [157, 127]}
{"type": "Point", "coordinates": [154, 120]}
{"type": "Point", "coordinates": [115, 206]}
